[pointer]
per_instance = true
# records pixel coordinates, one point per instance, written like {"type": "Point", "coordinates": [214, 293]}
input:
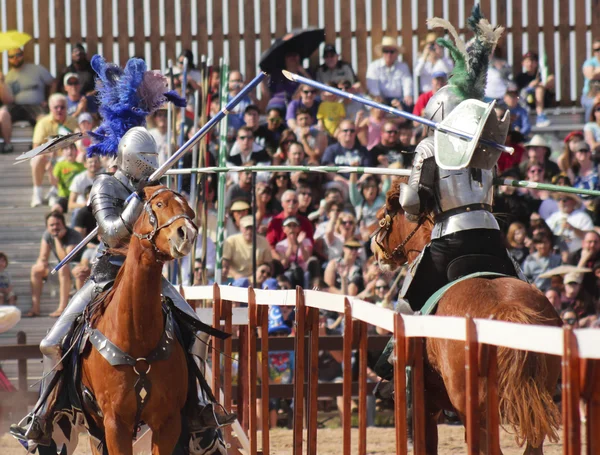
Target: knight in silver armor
{"type": "Point", "coordinates": [453, 179]}
{"type": "Point", "coordinates": [116, 208]}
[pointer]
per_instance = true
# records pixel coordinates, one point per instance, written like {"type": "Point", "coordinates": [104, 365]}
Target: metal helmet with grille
{"type": "Point", "coordinates": [441, 104]}
{"type": "Point", "coordinates": [137, 156]}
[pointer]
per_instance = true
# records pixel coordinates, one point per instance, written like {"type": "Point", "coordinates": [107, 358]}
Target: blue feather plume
{"type": "Point", "coordinates": [126, 97]}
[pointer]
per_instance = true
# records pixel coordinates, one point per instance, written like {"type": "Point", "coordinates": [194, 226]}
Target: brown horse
{"type": "Point", "coordinates": [526, 380]}
{"type": "Point", "coordinates": [131, 317]}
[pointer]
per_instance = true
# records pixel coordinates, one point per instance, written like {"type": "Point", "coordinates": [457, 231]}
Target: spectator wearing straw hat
{"type": "Point", "coordinates": [390, 78]}
{"type": "Point", "coordinates": [539, 150]}
{"type": "Point", "coordinates": [570, 222]}
{"type": "Point", "coordinates": [237, 250]}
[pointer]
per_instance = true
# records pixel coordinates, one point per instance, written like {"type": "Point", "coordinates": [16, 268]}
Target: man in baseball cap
{"type": "Point", "coordinates": [334, 69]}
{"type": "Point", "coordinates": [535, 92]}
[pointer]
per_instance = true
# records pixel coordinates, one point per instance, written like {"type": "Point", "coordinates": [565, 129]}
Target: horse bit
{"type": "Point", "coordinates": [154, 220]}
{"type": "Point", "coordinates": [385, 224]}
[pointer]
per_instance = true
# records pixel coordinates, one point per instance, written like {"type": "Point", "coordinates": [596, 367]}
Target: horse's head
{"type": "Point", "coordinates": [167, 223]}
{"type": "Point", "coordinates": [396, 240]}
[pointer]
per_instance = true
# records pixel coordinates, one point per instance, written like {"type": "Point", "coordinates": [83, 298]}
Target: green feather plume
{"type": "Point", "coordinates": [469, 76]}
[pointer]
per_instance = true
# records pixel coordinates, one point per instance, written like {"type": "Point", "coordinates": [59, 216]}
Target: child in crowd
{"type": "Point", "coordinates": [7, 296]}
{"type": "Point", "coordinates": [331, 112]}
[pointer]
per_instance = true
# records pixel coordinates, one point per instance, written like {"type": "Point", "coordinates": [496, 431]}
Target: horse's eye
{"type": "Point", "coordinates": [159, 205]}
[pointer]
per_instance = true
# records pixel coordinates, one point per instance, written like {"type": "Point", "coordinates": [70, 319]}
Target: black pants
{"type": "Point", "coordinates": [431, 273]}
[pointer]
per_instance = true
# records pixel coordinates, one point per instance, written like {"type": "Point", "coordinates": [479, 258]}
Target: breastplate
{"type": "Point", "coordinates": [460, 188]}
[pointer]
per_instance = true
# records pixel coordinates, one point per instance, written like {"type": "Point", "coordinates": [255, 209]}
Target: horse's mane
{"type": "Point", "coordinates": [392, 202]}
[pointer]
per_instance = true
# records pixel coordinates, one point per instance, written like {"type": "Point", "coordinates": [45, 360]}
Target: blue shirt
{"type": "Point", "coordinates": [522, 120]}
{"type": "Point", "coordinates": [337, 155]}
{"type": "Point", "coordinates": [592, 61]}
{"type": "Point", "coordinates": [294, 105]}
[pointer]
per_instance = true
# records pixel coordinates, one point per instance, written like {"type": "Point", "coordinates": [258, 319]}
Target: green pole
{"type": "Point", "coordinates": [222, 177]}
{"type": "Point", "coordinates": [545, 186]}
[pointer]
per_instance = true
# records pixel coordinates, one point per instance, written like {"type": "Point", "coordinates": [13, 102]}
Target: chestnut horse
{"type": "Point", "coordinates": [526, 380]}
{"type": "Point", "coordinates": [132, 318]}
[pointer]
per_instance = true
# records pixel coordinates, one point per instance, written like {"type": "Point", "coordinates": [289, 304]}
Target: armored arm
{"type": "Point", "coordinates": [414, 195]}
{"type": "Point", "coordinates": [107, 199]}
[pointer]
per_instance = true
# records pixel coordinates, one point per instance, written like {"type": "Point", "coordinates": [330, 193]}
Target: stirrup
{"type": "Point", "coordinates": [212, 416]}
{"type": "Point", "coordinates": [31, 431]}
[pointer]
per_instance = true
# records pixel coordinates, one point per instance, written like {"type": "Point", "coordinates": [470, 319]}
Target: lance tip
{"type": "Point", "coordinates": [289, 75]}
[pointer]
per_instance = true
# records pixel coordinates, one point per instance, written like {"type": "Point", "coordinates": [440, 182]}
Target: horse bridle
{"type": "Point", "coordinates": [153, 220]}
{"type": "Point", "coordinates": [385, 224]}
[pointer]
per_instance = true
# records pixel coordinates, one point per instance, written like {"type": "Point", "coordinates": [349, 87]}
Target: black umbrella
{"type": "Point", "coordinates": [301, 41]}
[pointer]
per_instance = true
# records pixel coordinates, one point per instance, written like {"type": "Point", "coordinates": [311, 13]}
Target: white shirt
{"type": "Point", "coordinates": [78, 185]}
{"type": "Point", "coordinates": [425, 69]}
{"type": "Point", "coordinates": [389, 82]}
{"type": "Point", "coordinates": [496, 84]}
{"type": "Point", "coordinates": [578, 219]}
{"type": "Point", "coordinates": [161, 142]}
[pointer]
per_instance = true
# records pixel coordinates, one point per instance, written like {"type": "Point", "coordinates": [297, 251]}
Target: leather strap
{"type": "Point", "coordinates": [462, 209]}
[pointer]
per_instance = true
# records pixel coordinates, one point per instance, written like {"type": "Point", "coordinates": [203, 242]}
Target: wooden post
{"type": "Point", "coordinates": [299, 360]}
{"type": "Point", "coordinates": [347, 377]}
{"type": "Point", "coordinates": [22, 364]}
{"type": "Point", "coordinates": [216, 352]}
{"type": "Point", "coordinates": [226, 309]}
{"type": "Point", "coordinates": [472, 387]}
{"type": "Point", "coordinates": [252, 365]}
{"type": "Point", "coordinates": [264, 349]}
{"type": "Point", "coordinates": [400, 386]}
{"type": "Point", "coordinates": [313, 381]}
{"type": "Point", "coordinates": [488, 368]}
{"type": "Point", "coordinates": [242, 401]}
{"type": "Point", "coordinates": [571, 388]}
{"type": "Point", "coordinates": [418, 396]}
{"type": "Point", "coordinates": [362, 388]}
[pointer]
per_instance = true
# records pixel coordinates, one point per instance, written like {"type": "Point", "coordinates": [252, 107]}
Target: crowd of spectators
{"type": "Point", "coordinates": [312, 229]}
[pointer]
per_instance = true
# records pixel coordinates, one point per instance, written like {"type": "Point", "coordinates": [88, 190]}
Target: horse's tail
{"type": "Point", "coordinates": [526, 404]}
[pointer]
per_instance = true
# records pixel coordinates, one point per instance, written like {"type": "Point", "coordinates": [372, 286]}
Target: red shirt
{"type": "Point", "coordinates": [422, 101]}
{"type": "Point", "coordinates": [275, 228]}
{"type": "Point", "coordinates": [507, 161]}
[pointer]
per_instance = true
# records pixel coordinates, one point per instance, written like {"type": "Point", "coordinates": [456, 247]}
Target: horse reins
{"type": "Point", "coordinates": [386, 224]}
{"type": "Point", "coordinates": [153, 220]}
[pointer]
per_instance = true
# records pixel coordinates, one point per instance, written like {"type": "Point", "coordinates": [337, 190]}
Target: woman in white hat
{"type": "Point", "coordinates": [390, 78]}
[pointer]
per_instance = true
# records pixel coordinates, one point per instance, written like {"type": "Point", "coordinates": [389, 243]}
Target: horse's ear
{"type": "Point", "coordinates": [148, 188]}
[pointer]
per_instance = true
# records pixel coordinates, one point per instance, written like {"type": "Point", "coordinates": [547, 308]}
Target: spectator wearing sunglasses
{"type": "Point", "coordinates": [390, 78]}
{"type": "Point", "coordinates": [390, 150]}
{"type": "Point", "coordinates": [309, 100]}
{"type": "Point", "coordinates": [538, 149]}
{"type": "Point", "coordinates": [354, 110]}
{"type": "Point", "coordinates": [268, 134]}
{"type": "Point", "coordinates": [346, 151]}
{"type": "Point", "coordinates": [30, 85]}
{"type": "Point", "coordinates": [245, 150]}
{"type": "Point", "coordinates": [76, 102]}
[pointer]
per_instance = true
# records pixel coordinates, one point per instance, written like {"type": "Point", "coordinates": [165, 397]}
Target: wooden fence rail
{"type": "Point", "coordinates": [242, 29]}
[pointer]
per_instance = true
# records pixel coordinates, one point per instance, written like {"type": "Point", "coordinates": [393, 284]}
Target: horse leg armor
{"type": "Point", "coordinates": [210, 413]}
{"type": "Point", "coordinates": [37, 426]}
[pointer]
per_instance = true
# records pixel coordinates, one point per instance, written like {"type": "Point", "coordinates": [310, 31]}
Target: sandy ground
{"type": "Point", "coordinates": [380, 441]}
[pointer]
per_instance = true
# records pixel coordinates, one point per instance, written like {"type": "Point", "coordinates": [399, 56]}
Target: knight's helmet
{"type": "Point", "coordinates": [441, 104]}
{"type": "Point", "coordinates": [137, 155]}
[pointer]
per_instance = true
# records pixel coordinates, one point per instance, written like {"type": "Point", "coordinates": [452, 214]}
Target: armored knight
{"type": "Point", "coordinates": [458, 192]}
{"type": "Point", "coordinates": [116, 207]}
